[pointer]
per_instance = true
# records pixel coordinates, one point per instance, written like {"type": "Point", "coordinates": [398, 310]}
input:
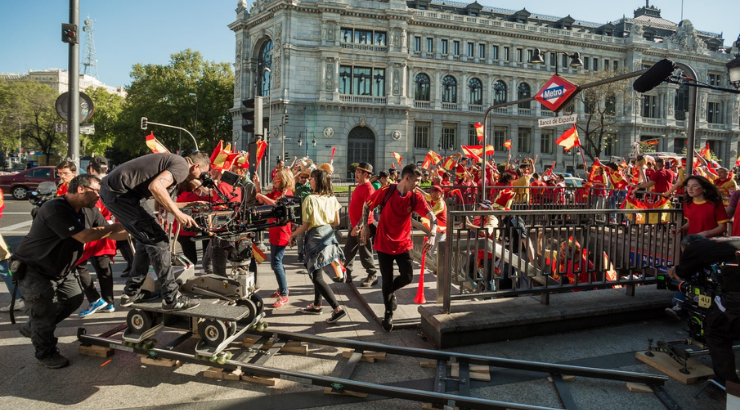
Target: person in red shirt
{"type": "Point", "coordinates": [190, 192]}
{"type": "Point", "coordinates": [703, 209]}
{"type": "Point", "coordinates": [278, 167]}
{"type": "Point", "coordinates": [360, 194]}
{"type": "Point", "coordinates": [393, 235]}
{"type": "Point", "coordinates": [536, 186]}
{"type": "Point", "coordinates": [283, 185]}
{"type": "Point", "coordinates": [66, 171]}
{"type": "Point", "coordinates": [661, 179]}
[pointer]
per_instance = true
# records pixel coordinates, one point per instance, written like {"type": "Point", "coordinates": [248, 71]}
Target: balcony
{"type": "Point", "coordinates": [366, 47]}
{"type": "Point", "coordinates": [362, 99]}
{"type": "Point", "coordinates": [502, 110]}
{"type": "Point", "coordinates": [422, 104]}
{"type": "Point", "coordinates": [653, 121]}
{"type": "Point", "coordinates": [717, 126]}
{"type": "Point", "coordinates": [524, 111]}
{"type": "Point", "coordinates": [547, 113]}
{"type": "Point", "coordinates": [450, 106]}
{"type": "Point", "coordinates": [475, 107]}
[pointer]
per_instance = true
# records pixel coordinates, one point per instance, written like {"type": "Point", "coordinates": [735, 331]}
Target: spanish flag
{"type": "Point", "coordinates": [479, 131]}
{"type": "Point", "coordinates": [431, 158]}
{"type": "Point", "coordinates": [155, 145]}
{"type": "Point", "coordinates": [261, 147]}
{"type": "Point", "coordinates": [243, 160]}
{"type": "Point", "coordinates": [339, 269]}
{"type": "Point", "coordinates": [449, 163]}
{"type": "Point", "coordinates": [476, 151]}
{"type": "Point", "coordinates": [705, 151]}
{"type": "Point", "coordinates": [259, 256]}
{"type": "Point", "coordinates": [569, 139]}
{"type": "Point", "coordinates": [398, 158]}
{"type": "Point", "coordinates": [507, 144]}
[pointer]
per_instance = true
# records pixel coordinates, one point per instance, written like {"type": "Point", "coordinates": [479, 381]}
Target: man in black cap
{"type": "Point", "coordinates": [360, 194]}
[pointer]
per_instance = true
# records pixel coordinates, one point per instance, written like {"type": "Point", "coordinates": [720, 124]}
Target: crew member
{"type": "Point", "coordinates": [393, 236]}
{"type": "Point", "coordinates": [723, 319]}
{"type": "Point", "coordinates": [66, 170]}
{"type": "Point", "coordinates": [122, 192]}
{"type": "Point", "coordinates": [44, 263]}
{"type": "Point", "coordinates": [360, 195]}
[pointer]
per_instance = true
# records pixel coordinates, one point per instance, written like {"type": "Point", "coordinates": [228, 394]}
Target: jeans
{"type": "Point", "coordinates": [406, 274]}
{"type": "Point", "coordinates": [39, 294]}
{"type": "Point", "coordinates": [8, 278]}
{"type": "Point", "coordinates": [276, 263]}
{"type": "Point", "coordinates": [351, 248]}
{"type": "Point", "coordinates": [301, 245]}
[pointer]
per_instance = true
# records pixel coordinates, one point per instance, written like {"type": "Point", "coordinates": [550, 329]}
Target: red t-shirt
{"type": "Point", "coordinates": [394, 228]}
{"type": "Point", "coordinates": [359, 196]}
{"type": "Point", "coordinates": [228, 191]}
{"type": "Point", "coordinates": [663, 180]}
{"type": "Point", "coordinates": [186, 196]}
{"type": "Point", "coordinates": [280, 235]}
{"type": "Point", "coordinates": [704, 216]}
{"type": "Point", "coordinates": [62, 189]}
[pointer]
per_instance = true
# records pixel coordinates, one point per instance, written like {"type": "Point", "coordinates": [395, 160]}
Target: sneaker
{"type": "Point", "coordinates": [54, 361]}
{"type": "Point", "coordinates": [25, 330]}
{"type": "Point", "coordinates": [300, 257]}
{"type": "Point", "coordinates": [94, 307]}
{"type": "Point", "coordinates": [181, 302]}
{"type": "Point", "coordinates": [394, 302]}
{"type": "Point", "coordinates": [674, 313]}
{"type": "Point", "coordinates": [108, 309]}
{"type": "Point", "coordinates": [387, 322]}
{"type": "Point", "coordinates": [142, 296]}
{"type": "Point", "coordinates": [312, 310]}
{"type": "Point", "coordinates": [369, 281]}
{"type": "Point", "coordinates": [335, 316]}
{"type": "Point", "coordinates": [19, 305]}
{"type": "Point", "coordinates": [280, 302]}
{"type": "Point", "coordinates": [276, 294]}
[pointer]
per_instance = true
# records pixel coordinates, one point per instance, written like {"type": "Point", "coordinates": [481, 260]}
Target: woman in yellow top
{"type": "Point", "coordinates": [320, 212]}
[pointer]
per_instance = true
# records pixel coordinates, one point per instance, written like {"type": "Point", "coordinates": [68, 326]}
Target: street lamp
{"type": "Point", "coordinates": [20, 145]}
{"type": "Point", "coordinates": [196, 113]}
{"type": "Point", "coordinates": [575, 58]}
{"type": "Point", "coordinates": [733, 67]}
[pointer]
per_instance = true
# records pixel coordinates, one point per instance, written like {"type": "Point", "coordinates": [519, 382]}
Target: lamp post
{"type": "Point", "coordinates": [733, 67]}
{"type": "Point", "coordinates": [575, 58]}
{"type": "Point", "coordinates": [196, 114]}
{"type": "Point", "coordinates": [269, 112]}
{"type": "Point", "coordinates": [20, 145]}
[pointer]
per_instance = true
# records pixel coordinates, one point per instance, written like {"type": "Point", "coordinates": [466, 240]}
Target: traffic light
{"type": "Point", "coordinates": [253, 114]}
{"type": "Point", "coordinates": [286, 155]}
{"type": "Point", "coordinates": [143, 123]}
{"type": "Point", "coordinates": [285, 118]}
{"type": "Point", "coordinates": [69, 33]}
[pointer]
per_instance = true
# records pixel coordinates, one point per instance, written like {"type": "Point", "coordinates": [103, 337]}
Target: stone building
{"type": "Point", "coordinates": [58, 80]}
{"type": "Point", "coordinates": [375, 77]}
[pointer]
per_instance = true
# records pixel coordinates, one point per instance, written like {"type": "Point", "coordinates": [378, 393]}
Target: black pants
{"type": "Point", "coordinates": [189, 249]}
{"type": "Point", "coordinates": [320, 288]}
{"type": "Point", "coordinates": [352, 247]}
{"type": "Point", "coordinates": [152, 244]}
{"type": "Point", "coordinates": [101, 264]}
{"type": "Point", "coordinates": [48, 302]}
{"type": "Point", "coordinates": [406, 274]}
{"type": "Point", "coordinates": [127, 253]}
{"type": "Point", "coordinates": [722, 329]}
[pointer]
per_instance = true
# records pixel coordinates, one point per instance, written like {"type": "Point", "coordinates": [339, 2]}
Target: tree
{"type": "Point", "coordinates": [597, 126]}
{"type": "Point", "coordinates": [162, 93]}
{"type": "Point", "coordinates": [108, 109]}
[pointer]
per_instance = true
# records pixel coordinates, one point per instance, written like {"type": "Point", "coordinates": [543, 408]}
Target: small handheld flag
{"type": "Point", "coordinates": [333, 150]}
{"type": "Point", "coordinates": [507, 144]}
{"type": "Point", "coordinates": [398, 158]}
{"type": "Point", "coordinates": [479, 131]}
{"type": "Point", "coordinates": [569, 139]}
{"type": "Point", "coordinates": [156, 146]}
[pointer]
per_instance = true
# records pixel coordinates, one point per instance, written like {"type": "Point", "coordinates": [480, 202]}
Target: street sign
{"type": "Point", "coordinates": [556, 92]}
{"type": "Point", "coordinates": [553, 121]}
{"type": "Point", "coordinates": [87, 107]}
{"type": "Point", "coordinates": [88, 129]}
{"type": "Point", "coordinates": [61, 127]}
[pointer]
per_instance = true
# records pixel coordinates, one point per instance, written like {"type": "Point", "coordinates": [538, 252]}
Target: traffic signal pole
{"type": "Point", "coordinates": [73, 127]}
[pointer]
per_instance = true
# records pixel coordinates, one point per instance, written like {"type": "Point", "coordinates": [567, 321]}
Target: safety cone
{"type": "Point", "coordinates": [420, 299]}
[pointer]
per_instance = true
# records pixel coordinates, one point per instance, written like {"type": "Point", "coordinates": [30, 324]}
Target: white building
{"type": "Point", "coordinates": [375, 77]}
{"type": "Point", "coordinates": [58, 80]}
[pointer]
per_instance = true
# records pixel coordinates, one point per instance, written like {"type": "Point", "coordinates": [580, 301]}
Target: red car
{"type": "Point", "coordinates": [18, 184]}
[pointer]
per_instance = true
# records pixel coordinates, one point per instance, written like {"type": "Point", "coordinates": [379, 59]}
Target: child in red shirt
{"type": "Point", "coordinates": [703, 208]}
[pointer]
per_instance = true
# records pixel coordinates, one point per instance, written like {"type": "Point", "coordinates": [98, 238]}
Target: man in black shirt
{"type": "Point", "coordinates": [124, 192]}
{"type": "Point", "coordinates": [45, 262]}
{"type": "Point", "coordinates": [723, 319]}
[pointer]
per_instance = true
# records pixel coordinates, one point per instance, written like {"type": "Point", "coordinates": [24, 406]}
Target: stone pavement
{"type": "Point", "coordinates": [124, 383]}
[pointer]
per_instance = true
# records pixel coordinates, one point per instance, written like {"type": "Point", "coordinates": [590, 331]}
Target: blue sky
{"type": "Point", "coordinates": [135, 31]}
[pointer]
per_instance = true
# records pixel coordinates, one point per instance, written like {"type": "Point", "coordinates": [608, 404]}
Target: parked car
{"type": "Point", "coordinates": [18, 184]}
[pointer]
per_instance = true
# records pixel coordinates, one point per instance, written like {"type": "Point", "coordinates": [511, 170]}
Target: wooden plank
{"type": "Point", "coordinates": [474, 368]}
{"type": "Point", "coordinates": [267, 381]}
{"type": "Point", "coordinates": [214, 373]}
{"type": "Point", "coordinates": [663, 362]}
{"type": "Point", "coordinates": [160, 362]}
{"type": "Point", "coordinates": [639, 388]}
{"type": "Point", "coordinates": [291, 346]}
{"type": "Point", "coordinates": [97, 351]}
{"type": "Point", "coordinates": [566, 378]}
{"type": "Point", "coordinates": [369, 357]}
{"type": "Point", "coordinates": [477, 372]}
{"type": "Point", "coordinates": [235, 375]}
{"type": "Point", "coordinates": [328, 390]}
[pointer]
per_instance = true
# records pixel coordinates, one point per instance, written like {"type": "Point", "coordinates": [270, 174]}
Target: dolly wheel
{"type": "Point", "coordinates": [213, 331]}
{"type": "Point", "coordinates": [138, 321]}
{"type": "Point", "coordinates": [251, 306]}
{"type": "Point", "coordinates": [257, 302]}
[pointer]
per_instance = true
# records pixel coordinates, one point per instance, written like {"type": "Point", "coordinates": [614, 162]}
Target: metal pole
{"type": "Point", "coordinates": [693, 98]}
{"type": "Point", "coordinates": [196, 117]}
{"type": "Point", "coordinates": [73, 126]}
{"type": "Point", "coordinates": [20, 136]}
{"type": "Point", "coordinates": [305, 129]}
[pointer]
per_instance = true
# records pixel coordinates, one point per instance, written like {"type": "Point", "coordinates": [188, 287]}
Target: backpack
{"type": "Point", "coordinates": [393, 188]}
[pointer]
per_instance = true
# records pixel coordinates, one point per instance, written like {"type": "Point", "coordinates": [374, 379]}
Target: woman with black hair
{"type": "Point", "coordinates": [703, 208]}
{"type": "Point", "coordinates": [320, 213]}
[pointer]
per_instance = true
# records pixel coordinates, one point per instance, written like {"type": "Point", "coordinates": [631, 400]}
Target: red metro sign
{"type": "Point", "coordinates": [556, 92]}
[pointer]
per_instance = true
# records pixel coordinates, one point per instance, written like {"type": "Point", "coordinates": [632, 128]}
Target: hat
{"type": "Point", "coordinates": [486, 204]}
{"type": "Point", "coordinates": [364, 166]}
{"type": "Point", "coordinates": [437, 188]}
{"type": "Point", "coordinates": [304, 172]}
{"type": "Point", "coordinates": [329, 168]}
{"type": "Point", "coordinates": [99, 162]}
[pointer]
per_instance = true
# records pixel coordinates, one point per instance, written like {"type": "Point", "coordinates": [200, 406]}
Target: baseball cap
{"type": "Point", "coordinates": [99, 162]}
{"type": "Point", "coordinates": [437, 188]}
{"type": "Point", "coordinates": [486, 204]}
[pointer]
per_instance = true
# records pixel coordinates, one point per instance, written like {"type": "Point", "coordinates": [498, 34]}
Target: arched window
{"type": "Point", "coordinates": [264, 65]}
{"type": "Point", "coordinates": [422, 87]}
{"type": "Point", "coordinates": [682, 102]}
{"type": "Point", "coordinates": [449, 94]}
{"type": "Point", "coordinates": [476, 91]}
{"type": "Point", "coordinates": [499, 92]}
{"type": "Point", "coordinates": [523, 91]}
{"type": "Point", "coordinates": [610, 105]}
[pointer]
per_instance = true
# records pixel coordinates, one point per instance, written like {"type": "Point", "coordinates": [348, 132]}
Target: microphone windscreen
{"type": "Point", "coordinates": [654, 76]}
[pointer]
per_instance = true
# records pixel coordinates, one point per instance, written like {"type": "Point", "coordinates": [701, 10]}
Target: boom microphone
{"type": "Point", "coordinates": [654, 76]}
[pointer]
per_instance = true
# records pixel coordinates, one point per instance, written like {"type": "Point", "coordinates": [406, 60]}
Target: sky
{"type": "Point", "coordinates": [148, 32]}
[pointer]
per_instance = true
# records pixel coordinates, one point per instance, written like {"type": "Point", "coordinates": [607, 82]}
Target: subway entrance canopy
{"type": "Point", "coordinates": [556, 92]}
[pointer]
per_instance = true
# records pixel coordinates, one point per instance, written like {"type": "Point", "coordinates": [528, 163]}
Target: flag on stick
{"type": "Point", "coordinates": [333, 150]}
{"type": "Point", "coordinates": [259, 256]}
{"type": "Point", "coordinates": [432, 158]}
{"type": "Point", "coordinates": [551, 169]}
{"type": "Point", "coordinates": [507, 144]}
{"type": "Point", "coordinates": [154, 145]}
{"type": "Point", "coordinates": [705, 151]}
{"type": "Point", "coordinates": [398, 158]}
{"type": "Point", "coordinates": [476, 151]}
{"type": "Point", "coordinates": [261, 147]}
{"type": "Point", "coordinates": [651, 142]}
{"type": "Point", "coordinates": [479, 131]}
{"type": "Point", "coordinates": [569, 139]}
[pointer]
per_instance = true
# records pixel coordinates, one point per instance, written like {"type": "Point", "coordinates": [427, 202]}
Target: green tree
{"type": "Point", "coordinates": [108, 109]}
{"type": "Point", "coordinates": [162, 93]}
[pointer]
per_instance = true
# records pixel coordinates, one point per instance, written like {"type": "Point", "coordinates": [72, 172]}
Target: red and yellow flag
{"type": "Point", "coordinates": [569, 139]}
{"type": "Point", "coordinates": [155, 145]}
{"type": "Point", "coordinates": [243, 160]}
{"type": "Point", "coordinates": [651, 142]}
{"type": "Point", "coordinates": [507, 144]}
{"type": "Point", "coordinates": [476, 151]}
{"type": "Point", "coordinates": [432, 158]}
{"type": "Point", "coordinates": [259, 256]}
{"type": "Point", "coordinates": [261, 148]}
{"type": "Point", "coordinates": [705, 151]}
{"type": "Point", "coordinates": [339, 269]}
{"type": "Point", "coordinates": [398, 158]}
{"type": "Point", "coordinates": [551, 169]}
{"type": "Point", "coordinates": [450, 163]}
{"type": "Point", "coordinates": [479, 131]}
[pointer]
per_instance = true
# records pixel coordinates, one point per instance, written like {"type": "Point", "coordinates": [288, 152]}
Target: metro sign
{"type": "Point", "coordinates": [556, 92]}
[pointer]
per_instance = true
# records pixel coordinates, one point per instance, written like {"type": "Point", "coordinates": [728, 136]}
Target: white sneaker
{"type": "Point", "coordinates": [19, 305]}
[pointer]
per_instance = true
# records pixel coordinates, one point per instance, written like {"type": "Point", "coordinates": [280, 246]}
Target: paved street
{"type": "Point", "coordinates": [124, 383]}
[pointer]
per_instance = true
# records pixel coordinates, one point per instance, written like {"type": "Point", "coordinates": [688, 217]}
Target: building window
{"type": "Point", "coordinates": [596, 64]}
{"type": "Point", "coordinates": [519, 55]}
{"type": "Point", "coordinates": [606, 65]}
{"type": "Point", "coordinates": [363, 37]}
{"type": "Point", "coordinates": [456, 48]}
{"type": "Point", "coordinates": [356, 36]}
{"type": "Point", "coordinates": [380, 38]}
{"type": "Point", "coordinates": [417, 44]}
{"type": "Point", "coordinates": [507, 54]}
{"type": "Point", "coordinates": [430, 45]}
{"type": "Point", "coordinates": [361, 81]}
{"type": "Point", "coordinates": [530, 54]}
{"type": "Point", "coordinates": [345, 79]}
{"type": "Point", "coordinates": [679, 144]}
{"type": "Point", "coordinates": [610, 142]}
{"type": "Point", "coordinates": [444, 47]}
{"type": "Point", "coordinates": [682, 102]}
{"type": "Point", "coordinates": [494, 52]}
{"type": "Point", "coordinates": [615, 65]}
{"type": "Point", "coordinates": [481, 51]}
{"type": "Point", "coordinates": [347, 35]}
{"type": "Point", "coordinates": [523, 91]}
{"type": "Point", "coordinates": [470, 50]}
{"type": "Point", "coordinates": [610, 105]}
{"type": "Point", "coordinates": [265, 61]}
{"type": "Point", "coordinates": [586, 62]}
{"type": "Point", "coordinates": [379, 82]}
{"type": "Point", "coordinates": [421, 135]}
{"type": "Point", "coordinates": [472, 135]}
{"type": "Point", "coordinates": [499, 136]}
{"type": "Point", "coordinates": [564, 60]}
{"type": "Point", "coordinates": [714, 113]}
{"type": "Point", "coordinates": [714, 79]}
{"type": "Point", "coordinates": [499, 92]}
{"type": "Point", "coordinates": [422, 92]}
{"type": "Point", "coordinates": [650, 106]}
{"type": "Point", "coordinates": [525, 140]}
{"type": "Point", "coordinates": [476, 91]}
{"type": "Point", "coordinates": [546, 142]}
{"type": "Point", "coordinates": [449, 132]}
{"type": "Point", "coordinates": [553, 59]}
{"type": "Point", "coordinates": [449, 94]}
